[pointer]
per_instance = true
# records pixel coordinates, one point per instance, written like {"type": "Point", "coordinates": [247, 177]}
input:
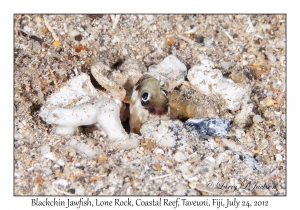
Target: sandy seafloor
{"type": "Point", "coordinates": [251, 157]}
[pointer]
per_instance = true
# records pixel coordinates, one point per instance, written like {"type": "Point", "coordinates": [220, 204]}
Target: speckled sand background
{"type": "Point", "coordinates": [252, 153]}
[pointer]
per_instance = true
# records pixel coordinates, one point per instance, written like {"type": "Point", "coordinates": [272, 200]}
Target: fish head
{"type": "Point", "coordinates": [152, 96]}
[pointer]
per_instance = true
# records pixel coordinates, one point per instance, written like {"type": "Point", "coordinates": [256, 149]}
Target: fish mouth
{"type": "Point", "coordinates": [158, 110]}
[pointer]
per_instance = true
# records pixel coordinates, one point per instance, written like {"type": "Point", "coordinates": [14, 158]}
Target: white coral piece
{"type": "Point", "coordinates": [211, 82]}
{"type": "Point", "coordinates": [171, 71]}
{"type": "Point", "coordinates": [165, 132]}
{"type": "Point", "coordinates": [90, 108]}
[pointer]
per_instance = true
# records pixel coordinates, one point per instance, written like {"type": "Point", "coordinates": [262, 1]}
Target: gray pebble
{"type": "Point", "coordinates": [216, 127]}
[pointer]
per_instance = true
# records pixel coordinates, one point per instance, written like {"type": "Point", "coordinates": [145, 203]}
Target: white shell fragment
{"type": "Point", "coordinates": [61, 182]}
{"type": "Point", "coordinates": [241, 117]}
{"type": "Point", "coordinates": [252, 162]}
{"type": "Point", "coordinates": [166, 132]}
{"type": "Point", "coordinates": [257, 119]}
{"type": "Point", "coordinates": [50, 156]}
{"type": "Point", "coordinates": [74, 33]}
{"type": "Point", "coordinates": [171, 71]}
{"type": "Point", "coordinates": [99, 70]}
{"type": "Point", "coordinates": [127, 144]}
{"type": "Point", "coordinates": [226, 65]}
{"type": "Point", "coordinates": [119, 82]}
{"type": "Point", "coordinates": [83, 148]}
{"type": "Point", "coordinates": [211, 82]}
{"type": "Point", "coordinates": [45, 149]}
{"type": "Point", "coordinates": [179, 156]}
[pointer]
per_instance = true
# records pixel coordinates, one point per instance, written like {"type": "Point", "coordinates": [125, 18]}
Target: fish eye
{"type": "Point", "coordinates": [145, 96]}
{"type": "Point", "coordinates": [165, 93]}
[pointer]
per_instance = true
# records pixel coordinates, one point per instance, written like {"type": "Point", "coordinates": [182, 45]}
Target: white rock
{"type": "Point", "coordinates": [83, 148]}
{"type": "Point", "coordinates": [222, 157]}
{"type": "Point", "coordinates": [278, 158]}
{"type": "Point", "coordinates": [115, 39]}
{"type": "Point", "coordinates": [77, 91]}
{"type": "Point", "coordinates": [124, 51]}
{"type": "Point", "coordinates": [129, 191]}
{"type": "Point", "coordinates": [68, 119]}
{"type": "Point", "coordinates": [171, 70]}
{"type": "Point", "coordinates": [61, 182]}
{"type": "Point", "coordinates": [164, 132]}
{"type": "Point", "coordinates": [50, 156]}
{"type": "Point", "coordinates": [149, 17]}
{"type": "Point", "coordinates": [257, 119]}
{"type": "Point", "coordinates": [210, 160]}
{"type": "Point", "coordinates": [251, 162]}
{"type": "Point", "coordinates": [279, 147]}
{"type": "Point", "coordinates": [73, 142]}
{"type": "Point", "coordinates": [226, 65]}
{"type": "Point", "coordinates": [282, 61]}
{"type": "Point", "coordinates": [212, 143]}
{"type": "Point", "coordinates": [27, 28]}
{"type": "Point", "coordinates": [74, 33]}
{"type": "Point", "coordinates": [207, 42]}
{"type": "Point", "coordinates": [271, 57]}
{"type": "Point", "coordinates": [238, 133]}
{"type": "Point", "coordinates": [99, 185]}
{"type": "Point", "coordinates": [127, 144]}
{"type": "Point", "coordinates": [79, 190]}
{"type": "Point", "coordinates": [164, 187]}
{"type": "Point", "coordinates": [79, 103]}
{"type": "Point", "coordinates": [265, 26]}
{"type": "Point", "coordinates": [158, 151]}
{"type": "Point", "coordinates": [60, 162]}
{"type": "Point", "coordinates": [232, 145]}
{"type": "Point", "coordinates": [184, 167]}
{"type": "Point", "coordinates": [45, 149]}
{"type": "Point", "coordinates": [24, 122]}
{"type": "Point", "coordinates": [242, 115]}
{"type": "Point", "coordinates": [38, 19]}
{"type": "Point", "coordinates": [211, 82]}
{"type": "Point", "coordinates": [179, 156]}
{"type": "Point", "coordinates": [109, 120]}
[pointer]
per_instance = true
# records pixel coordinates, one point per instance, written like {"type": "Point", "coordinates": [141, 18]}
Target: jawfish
{"type": "Point", "coordinates": [148, 101]}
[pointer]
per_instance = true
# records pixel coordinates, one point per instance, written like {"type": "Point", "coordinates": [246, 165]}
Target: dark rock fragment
{"type": "Point", "coordinates": [209, 126]}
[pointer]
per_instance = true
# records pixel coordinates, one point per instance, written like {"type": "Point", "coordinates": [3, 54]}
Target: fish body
{"type": "Point", "coordinates": [148, 101]}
